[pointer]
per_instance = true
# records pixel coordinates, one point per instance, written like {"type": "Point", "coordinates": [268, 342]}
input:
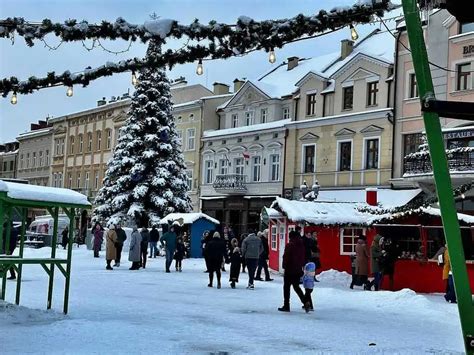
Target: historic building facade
{"type": "Point", "coordinates": [8, 160]}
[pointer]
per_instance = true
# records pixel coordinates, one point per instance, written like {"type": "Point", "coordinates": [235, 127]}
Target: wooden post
{"type": "Point", "coordinates": [71, 214]}
{"type": "Point", "coordinates": [24, 212]}
{"type": "Point", "coordinates": [53, 255]}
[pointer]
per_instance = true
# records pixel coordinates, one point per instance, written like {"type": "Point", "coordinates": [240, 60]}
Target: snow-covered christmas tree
{"type": "Point", "coordinates": [145, 180]}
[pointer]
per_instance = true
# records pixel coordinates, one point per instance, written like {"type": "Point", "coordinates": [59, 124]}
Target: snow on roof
{"type": "Point", "coordinates": [437, 212]}
{"type": "Point", "coordinates": [245, 129]}
{"type": "Point", "coordinates": [387, 198]}
{"type": "Point", "coordinates": [42, 193]}
{"type": "Point", "coordinates": [34, 133]}
{"type": "Point", "coordinates": [188, 218]}
{"type": "Point", "coordinates": [325, 213]}
{"type": "Point", "coordinates": [187, 103]}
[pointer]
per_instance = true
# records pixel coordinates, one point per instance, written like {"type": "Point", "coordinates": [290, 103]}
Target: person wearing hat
{"type": "Point", "coordinates": [110, 240]}
{"type": "Point", "coordinates": [215, 251]}
{"type": "Point", "coordinates": [252, 248]}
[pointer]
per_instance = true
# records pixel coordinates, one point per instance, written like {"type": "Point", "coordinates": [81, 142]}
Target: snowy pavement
{"type": "Point", "coordinates": [149, 311]}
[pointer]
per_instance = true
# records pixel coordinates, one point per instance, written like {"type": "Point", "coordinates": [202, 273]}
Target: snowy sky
{"type": "Point", "coordinates": [21, 61]}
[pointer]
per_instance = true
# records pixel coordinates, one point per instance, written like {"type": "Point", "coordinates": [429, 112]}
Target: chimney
{"type": "Point", "coordinates": [101, 102]}
{"type": "Point", "coordinates": [292, 62]}
{"type": "Point", "coordinates": [347, 46]}
{"type": "Point", "coordinates": [238, 84]}
{"type": "Point", "coordinates": [178, 82]}
{"type": "Point", "coordinates": [371, 196]}
{"type": "Point", "coordinates": [220, 88]}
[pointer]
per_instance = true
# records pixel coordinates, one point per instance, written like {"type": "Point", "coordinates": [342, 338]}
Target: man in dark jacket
{"type": "Point", "coordinates": [293, 263]}
{"type": "Point", "coordinates": [154, 237]}
{"type": "Point", "coordinates": [121, 237]}
{"type": "Point", "coordinates": [169, 238]}
{"type": "Point", "coordinates": [252, 248]}
{"type": "Point", "coordinates": [262, 261]}
{"type": "Point", "coordinates": [144, 245]}
{"type": "Point", "coordinates": [10, 248]}
{"type": "Point", "coordinates": [215, 251]}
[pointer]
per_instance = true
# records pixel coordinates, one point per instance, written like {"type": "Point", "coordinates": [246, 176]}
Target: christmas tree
{"type": "Point", "coordinates": [145, 180]}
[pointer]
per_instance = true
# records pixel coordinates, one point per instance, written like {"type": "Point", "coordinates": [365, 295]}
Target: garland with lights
{"type": "Point", "coordinates": [223, 40]}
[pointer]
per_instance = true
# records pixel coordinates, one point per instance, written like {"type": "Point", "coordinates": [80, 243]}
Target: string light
{"type": "Point", "coordinates": [134, 79]}
{"type": "Point", "coordinates": [272, 56]}
{"type": "Point", "coordinates": [200, 68]}
{"type": "Point", "coordinates": [354, 34]}
{"type": "Point", "coordinates": [463, 196]}
{"type": "Point", "coordinates": [14, 98]}
{"type": "Point", "coordinates": [69, 91]}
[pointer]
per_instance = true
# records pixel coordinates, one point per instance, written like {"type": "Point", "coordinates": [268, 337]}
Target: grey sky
{"type": "Point", "coordinates": [22, 61]}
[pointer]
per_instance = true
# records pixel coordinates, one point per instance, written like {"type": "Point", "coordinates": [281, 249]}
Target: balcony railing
{"type": "Point", "coordinates": [230, 183]}
{"type": "Point", "coordinates": [460, 160]}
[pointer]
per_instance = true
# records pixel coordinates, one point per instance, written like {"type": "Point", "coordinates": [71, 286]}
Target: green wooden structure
{"type": "Point", "coordinates": [20, 197]}
{"type": "Point", "coordinates": [432, 109]}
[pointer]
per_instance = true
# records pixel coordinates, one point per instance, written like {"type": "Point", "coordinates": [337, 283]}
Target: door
{"type": "Point", "coordinates": [281, 245]}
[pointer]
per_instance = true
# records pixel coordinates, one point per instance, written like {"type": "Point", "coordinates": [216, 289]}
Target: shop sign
{"type": "Point", "coordinates": [459, 134]}
{"type": "Point", "coordinates": [468, 51]}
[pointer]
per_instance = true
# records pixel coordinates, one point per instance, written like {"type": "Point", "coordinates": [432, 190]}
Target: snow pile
{"type": "Point", "coordinates": [335, 277]}
{"type": "Point", "coordinates": [13, 314]}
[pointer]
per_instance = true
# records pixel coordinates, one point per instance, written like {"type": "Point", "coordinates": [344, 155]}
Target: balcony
{"type": "Point", "coordinates": [230, 184]}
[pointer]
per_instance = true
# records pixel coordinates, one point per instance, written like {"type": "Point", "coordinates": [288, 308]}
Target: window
{"type": "Point", "coordinates": [57, 143]}
{"type": "Point", "coordinates": [96, 180]}
{"type": "Point", "coordinates": [189, 179]}
{"type": "Point", "coordinates": [348, 239]}
{"type": "Point", "coordinates": [54, 179]}
{"type": "Point", "coordinates": [256, 168]}
{"type": "Point", "coordinates": [191, 132]}
{"type": "Point", "coordinates": [223, 166]}
{"type": "Point", "coordinates": [274, 167]}
{"type": "Point", "coordinates": [274, 237]}
{"type": "Point", "coordinates": [249, 118]}
{"type": "Point", "coordinates": [411, 142]}
{"type": "Point", "coordinates": [41, 158]}
{"type": "Point", "coordinates": [348, 98]}
{"type": "Point", "coordinates": [69, 180]}
{"type": "Point", "coordinates": [21, 161]}
{"type": "Point", "coordinates": [27, 160]}
{"type": "Point", "coordinates": [209, 171]}
{"type": "Point", "coordinates": [191, 117]}
{"type": "Point", "coordinates": [81, 143]}
{"type": "Point", "coordinates": [12, 165]}
{"type": "Point", "coordinates": [309, 158]}
{"type": "Point", "coordinates": [372, 153]}
{"type": "Point", "coordinates": [463, 73]}
{"type": "Point", "coordinates": [86, 181]}
{"type": "Point", "coordinates": [109, 139]}
{"type": "Point", "coordinates": [310, 104]}
{"type": "Point", "coordinates": [235, 120]}
{"type": "Point", "coordinates": [286, 113]}
{"type": "Point", "coordinates": [71, 145]}
{"type": "Point", "coordinates": [466, 27]}
{"type": "Point", "coordinates": [179, 119]}
{"type": "Point", "coordinates": [99, 140]}
{"type": "Point", "coordinates": [89, 142]}
{"type": "Point", "coordinates": [345, 152]}
{"type": "Point", "coordinates": [372, 90]}
{"type": "Point", "coordinates": [60, 179]}
{"type": "Point", "coordinates": [413, 86]}
{"type": "Point", "coordinates": [78, 180]}
{"type": "Point", "coordinates": [33, 165]}
{"type": "Point", "coordinates": [239, 166]}
{"type": "Point", "coordinates": [180, 136]}
{"type": "Point", "coordinates": [4, 166]}
{"type": "Point", "coordinates": [263, 115]}
{"type": "Point", "coordinates": [46, 158]}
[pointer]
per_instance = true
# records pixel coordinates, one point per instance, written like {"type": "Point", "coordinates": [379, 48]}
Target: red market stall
{"type": "Point", "coordinates": [338, 224]}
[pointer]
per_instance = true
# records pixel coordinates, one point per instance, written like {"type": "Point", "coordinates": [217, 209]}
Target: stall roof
{"type": "Point", "coordinates": [188, 218]}
{"type": "Point", "coordinates": [46, 194]}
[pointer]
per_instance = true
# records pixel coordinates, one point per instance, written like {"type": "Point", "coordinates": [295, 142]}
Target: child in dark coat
{"type": "Point", "coordinates": [179, 254]}
{"type": "Point", "coordinates": [235, 260]}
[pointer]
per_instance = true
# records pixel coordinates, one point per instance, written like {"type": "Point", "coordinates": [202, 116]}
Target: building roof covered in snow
{"type": "Point", "coordinates": [18, 191]}
{"type": "Point", "coordinates": [187, 218]}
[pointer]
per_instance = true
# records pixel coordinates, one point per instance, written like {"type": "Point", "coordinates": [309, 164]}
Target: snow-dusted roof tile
{"type": "Point", "coordinates": [245, 129]}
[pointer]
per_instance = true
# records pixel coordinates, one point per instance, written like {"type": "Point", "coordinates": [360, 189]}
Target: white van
{"type": "Point", "coordinates": [40, 231]}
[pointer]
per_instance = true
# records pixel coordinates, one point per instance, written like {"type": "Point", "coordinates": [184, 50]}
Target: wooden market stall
{"type": "Point", "coordinates": [194, 223]}
{"type": "Point", "coordinates": [20, 198]}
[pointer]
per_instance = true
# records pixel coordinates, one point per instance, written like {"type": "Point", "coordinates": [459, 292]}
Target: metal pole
{"type": "Point", "coordinates": [53, 255]}
{"type": "Point", "coordinates": [2, 249]}
{"type": "Point", "coordinates": [24, 212]}
{"type": "Point", "coordinates": [71, 216]}
{"type": "Point", "coordinates": [441, 174]}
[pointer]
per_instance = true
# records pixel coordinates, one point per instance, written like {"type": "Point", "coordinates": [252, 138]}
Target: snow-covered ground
{"type": "Point", "coordinates": [149, 311]}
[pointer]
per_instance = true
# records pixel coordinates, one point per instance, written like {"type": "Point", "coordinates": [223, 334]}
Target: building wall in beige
{"type": "Point", "coordinates": [8, 160]}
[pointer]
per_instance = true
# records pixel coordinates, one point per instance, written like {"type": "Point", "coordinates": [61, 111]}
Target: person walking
{"type": "Point", "coordinates": [376, 262]}
{"type": "Point", "coordinates": [361, 264]}
{"type": "Point", "coordinates": [110, 246]}
{"type": "Point", "coordinates": [121, 237]}
{"type": "Point", "coordinates": [65, 237]}
{"type": "Point", "coordinates": [235, 260]}
{"type": "Point", "coordinates": [391, 254]}
{"type": "Point", "coordinates": [169, 238]}
{"type": "Point", "coordinates": [134, 253]}
{"type": "Point", "coordinates": [241, 240]}
{"type": "Point", "coordinates": [215, 251]}
{"type": "Point", "coordinates": [179, 254]}
{"type": "Point", "coordinates": [144, 246]}
{"type": "Point", "coordinates": [206, 237]}
{"type": "Point", "coordinates": [450, 295]}
{"type": "Point", "coordinates": [10, 248]}
{"type": "Point", "coordinates": [154, 238]}
{"type": "Point", "coordinates": [252, 248]}
{"type": "Point", "coordinates": [98, 238]}
{"type": "Point", "coordinates": [308, 284]}
{"type": "Point", "coordinates": [263, 259]}
{"type": "Point", "coordinates": [293, 262]}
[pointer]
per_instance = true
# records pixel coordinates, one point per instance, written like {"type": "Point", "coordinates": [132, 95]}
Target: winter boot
{"type": "Point", "coordinates": [118, 264]}
{"type": "Point", "coordinates": [307, 307]}
{"type": "Point", "coordinates": [219, 285]}
{"type": "Point", "coordinates": [232, 284]}
{"type": "Point", "coordinates": [180, 269]}
{"type": "Point", "coordinates": [284, 308]}
{"type": "Point", "coordinates": [108, 267]}
{"type": "Point", "coordinates": [269, 279]}
{"type": "Point", "coordinates": [250, 287]}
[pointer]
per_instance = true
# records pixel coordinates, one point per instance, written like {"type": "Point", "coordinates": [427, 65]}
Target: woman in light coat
{"type": "Point", "coordinates": [134, 254]}
{"type": "Point", "coordinates": [110, 240]}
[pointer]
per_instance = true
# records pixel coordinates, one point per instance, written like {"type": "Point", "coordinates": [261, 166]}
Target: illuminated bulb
{"type": "Point", "coordinates": [69, 91]}
{"type": "Point", "coordinates": [134, 79]}
{"type": "Point", "coordinates": [354, 34]}
{"type": "Point", "coordinates": [14, 99]}
{"type": "Point", "coordinates": [200, 68]}
{"type": "Point", "coordinates": [271, 56]}
{"type": "Point", "coordinates": [463, 196]}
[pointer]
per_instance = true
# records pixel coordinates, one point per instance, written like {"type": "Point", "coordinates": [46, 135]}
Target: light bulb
{"type": "Point", "coordinates": [14, 98]}
{"type": "Point", "coordinates": [69, 91]}
{"type": "Point", "coordinates": [463, 196]}
{"type": "Point", "coordinates": [134, 79]}
{"type": "Point", "coordinates": [200, 68]}
{"type": "Point", "coordinates": [271, 56]}
{"type": "Point", "coordinates": [354, 34]}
